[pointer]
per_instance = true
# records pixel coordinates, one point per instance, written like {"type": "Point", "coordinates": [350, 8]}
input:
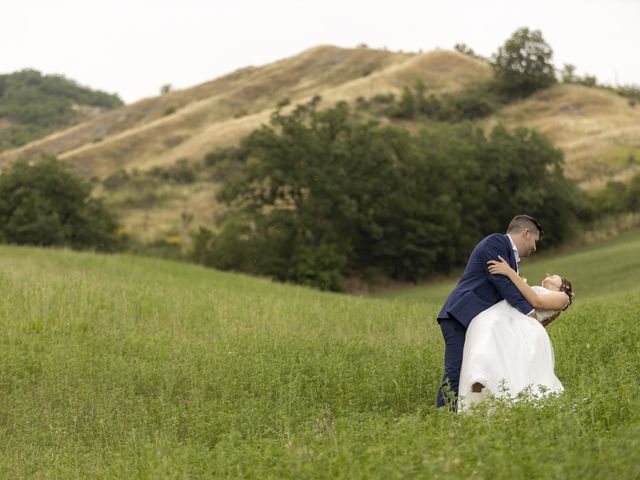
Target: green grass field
{"type": "Point", "coordinates": [124, 367]}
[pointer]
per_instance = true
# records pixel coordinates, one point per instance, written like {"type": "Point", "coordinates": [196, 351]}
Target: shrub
{"type": "Point", "coordinates": [43, 203]}
{"type": "Point", "coordinates": [238, 153]}
{"type": "Point", "coordinates": [116, 180]}
{"type": "Point", "coordinates": [180, 172]}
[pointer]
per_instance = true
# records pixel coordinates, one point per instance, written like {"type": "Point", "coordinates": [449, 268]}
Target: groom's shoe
{"type": "Point", "coordinates": [477, 387]}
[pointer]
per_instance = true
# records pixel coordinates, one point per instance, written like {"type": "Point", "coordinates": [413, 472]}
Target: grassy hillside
{"type": "Point", "coordinates": [615, 260]}
{"type": "Point", "coordinates": [220, 112]}
{"type": "Point", "coordinates": [189, 123]}
{"type": "Point", "coordinates": [124, 367]}
{"type": "Point", "coordinates": [597, 129]}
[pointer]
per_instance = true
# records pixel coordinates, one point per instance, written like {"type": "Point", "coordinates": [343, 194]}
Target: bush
{"type": "Point", "coordinates": [180, 172]}
{"type": "Point", "coordinates": [319, 267]}
{"type": "Point", "coordinates": [213, 157]}
{"type": "Point", "coordinates": [43, 203]}
{"type": "Point", "coordinates": [471, 103]}
{"type": "Point", "coordinates": [116, 180]}
{"type": "Point", "coordinates": [230, 249]}
{"type": "Point", "coordinates": [632, 92]}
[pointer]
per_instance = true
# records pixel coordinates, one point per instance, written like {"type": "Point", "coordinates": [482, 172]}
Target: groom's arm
{"type": "Point", "coordinates": [506, 288]}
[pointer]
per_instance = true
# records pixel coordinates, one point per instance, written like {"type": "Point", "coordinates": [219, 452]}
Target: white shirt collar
{"type": "Point", "coordinates": [515, 249]}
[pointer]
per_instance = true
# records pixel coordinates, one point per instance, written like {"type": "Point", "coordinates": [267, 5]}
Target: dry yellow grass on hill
{"type": "Point", "coordinates": [598, 131]}
{"type": "Point", "coordinates": [222, 111]}
{"type": "Point", "coordinates": [189, 123]}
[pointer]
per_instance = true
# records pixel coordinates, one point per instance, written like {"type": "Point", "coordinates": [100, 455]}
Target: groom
{"type": "Point", "coordinates": [478, 290]}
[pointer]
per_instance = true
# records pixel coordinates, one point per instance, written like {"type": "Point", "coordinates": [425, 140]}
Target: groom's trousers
{"type": "Point", "coordinates": [454, 334]}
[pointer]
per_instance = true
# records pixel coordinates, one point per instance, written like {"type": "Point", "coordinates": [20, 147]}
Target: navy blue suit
{"type": "Point", "coordinates": [476, 291]}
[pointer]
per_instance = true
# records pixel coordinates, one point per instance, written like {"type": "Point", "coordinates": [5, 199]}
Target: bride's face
{"type": "Point", "coordinates": [552, 282]}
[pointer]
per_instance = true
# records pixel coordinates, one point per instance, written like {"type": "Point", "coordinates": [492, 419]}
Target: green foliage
{"type": "Point", "coordinates": [465, 49]}
{"type": "Point", "coordinates": [138, 188]}
{"type": "Point", "coordinates": [228, 250]}
{"type": "Point", "coordinates": [523, 64]}
{"type": "Point", "coordinates": [117, 179]}
{"type": "Point", "coordinates": [408, 105]}
{"type": "Point", "coordinates": [179, 172]}
{"type": "Point", "coordinates": [43, 203]}
{"type": "Point", "coordinates": [131, 368]}
{"type": "Point", "coordinates": [324, 196]}
{"type": "Point", "coordinates": [36, 104]}
{"type": "Point", "coordinates": [320, 266]}
{"type": "Point", "coordinates": [615, 198]}
{"type": "Point", "coordinates": [568, 73]}
{"type": "Point", "coordinates": [632, 92]}
{"type": "Point", "coordinates": [633, 194]}
{"type": "Point", "coordinates": [474, 102]}
{"type": "Point", "coordinates": [238, 153]}
{"type": "Point", "coordinates": [588, 80]}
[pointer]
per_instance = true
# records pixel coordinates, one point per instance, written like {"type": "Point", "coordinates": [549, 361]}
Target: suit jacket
{"type": "Point", "coordinates": [478, 289]}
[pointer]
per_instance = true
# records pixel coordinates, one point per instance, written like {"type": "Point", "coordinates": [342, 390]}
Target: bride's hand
{"type": "Point", "coordinates": [500, 267]}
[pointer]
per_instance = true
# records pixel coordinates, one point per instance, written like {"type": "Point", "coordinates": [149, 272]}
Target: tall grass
{"type": "Point", "coordinates": [124, 367]}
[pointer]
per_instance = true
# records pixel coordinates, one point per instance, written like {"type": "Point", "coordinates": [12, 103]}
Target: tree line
{"type": "Point", "coordinates": [34, 105]}
{"type": "Point", "coordinates": [322, 197]}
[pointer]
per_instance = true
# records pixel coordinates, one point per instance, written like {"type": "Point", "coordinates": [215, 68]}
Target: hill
{"type": "Point", "coordinates": [189, 123]}
{"type": "Point", "coordinates": [125, 367]}
{"type": "Point", "coordinates": [596, 128]}
{"type": "Point", "coordinates": [598, 131]}
{"type": "Point", "coordinates": [33, 105]}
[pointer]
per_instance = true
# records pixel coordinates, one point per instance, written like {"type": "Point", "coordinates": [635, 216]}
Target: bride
{"type": "Point", "coordinates": [506, 351]}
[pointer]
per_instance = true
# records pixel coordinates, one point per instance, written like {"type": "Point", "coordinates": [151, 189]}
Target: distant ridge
{"type": "Point", "coordinates": [220, 112]}
{"type": "Point", "coordinates": [33, 105]}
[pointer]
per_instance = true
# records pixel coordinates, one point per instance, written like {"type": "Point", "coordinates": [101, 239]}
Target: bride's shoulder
{"type": "Point", "coordinates": [540, 289]}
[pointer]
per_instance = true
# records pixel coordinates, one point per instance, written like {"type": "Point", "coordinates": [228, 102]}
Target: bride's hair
{"type": "Point", "coordinates": [567, 288]}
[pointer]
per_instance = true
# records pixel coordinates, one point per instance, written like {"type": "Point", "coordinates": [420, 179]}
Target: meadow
{"type": "Point", "coordinates": [125, 367]}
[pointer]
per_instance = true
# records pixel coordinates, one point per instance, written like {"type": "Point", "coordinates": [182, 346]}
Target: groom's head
{"type": "Point", "coordinates": [526, 232]}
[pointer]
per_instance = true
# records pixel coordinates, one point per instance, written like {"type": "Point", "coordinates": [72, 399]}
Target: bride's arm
{"type": "Point", "coordinates": [550, 301]}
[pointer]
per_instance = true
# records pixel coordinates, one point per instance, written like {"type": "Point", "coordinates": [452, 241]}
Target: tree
{"type": "Point", "coordinates": [43, 203]}
{"type": "Point", "coordinates": [523, 172]}
{"type": "Point", "coordinates": [569, 73]}
{"type": "Point", "coordinates": [312, 183]}
{"type": "Point", "coordinates": [523, 64]}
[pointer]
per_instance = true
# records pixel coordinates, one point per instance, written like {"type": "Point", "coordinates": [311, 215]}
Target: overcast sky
{"type": "Point", "coordinates": [133, 47]}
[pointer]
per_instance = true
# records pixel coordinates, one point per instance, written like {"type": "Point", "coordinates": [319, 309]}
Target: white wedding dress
{"type": "Point", "coordinates": [506, 347]}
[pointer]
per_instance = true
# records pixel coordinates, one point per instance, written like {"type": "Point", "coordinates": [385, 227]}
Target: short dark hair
{"type": "Point", "coordinates": [522, 222]}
